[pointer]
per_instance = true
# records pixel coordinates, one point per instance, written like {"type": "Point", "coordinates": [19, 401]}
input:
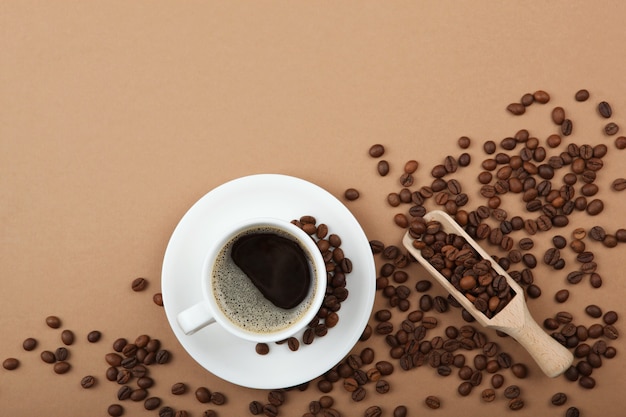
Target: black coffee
{"type": "Point", "coordinates": [263, 280]}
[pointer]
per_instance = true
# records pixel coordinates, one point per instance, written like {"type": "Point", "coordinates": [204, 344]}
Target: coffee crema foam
{"type": "Point", "coordinates": [242, 302]}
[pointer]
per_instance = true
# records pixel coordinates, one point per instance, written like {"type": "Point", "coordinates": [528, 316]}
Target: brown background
{"type": "Point", "coordinates": [117, 116]}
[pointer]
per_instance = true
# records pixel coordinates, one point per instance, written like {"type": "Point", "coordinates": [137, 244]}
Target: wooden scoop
{"type": "Point", "coordinates": [514, 319]}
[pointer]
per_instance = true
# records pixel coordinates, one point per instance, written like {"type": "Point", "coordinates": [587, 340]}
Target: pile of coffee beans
{"type": "Point", "coordinates": [455, 259]}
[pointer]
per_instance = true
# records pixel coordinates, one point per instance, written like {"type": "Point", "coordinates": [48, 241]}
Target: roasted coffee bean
{"type": "Point", "coordinates": [516, 404]}
{"type": "Point", "coordinates": [203, 394]}
{"type": "Point", "coordinates": [593, 311]}
{"type": "Point", "coordinates": [67, 337]}
{"type": "Point", "coordinates": [139, 284]}
{"type": "Point", "coordinates": [61, 367]}
{"type": "Point", "coordinates": [115, 410]}
{"type": "Point", "coordinates": [587, 382]}
{"type": "Point", "coordinates": [88, 381]}
{"type": "Point", "coordinates": [465, 388]}
{"type": "Point", "coordinates": [138, 394]}
{"type": "Point", "coordinates": [376, 150]}
{"type": "Point", "coordinates": [162, 356]}
{"type": "Point", "coordinates": [29, 344]}
{"type": "Point", "coordinates": [581, 95]}
{"type": "Point", "coordinates": [619, 184]}
{"type": "Point", "coordinates": [157, 298]}
{"type": "Point", "coordinates": [512, 391]}
{"type": "Point", "coordinates": [94, 336]}
{"type": "Point", "coordinates": [53, 322]}
{"type": "Point", "coordinates": [519, 370]}
{"type": "Point", "coordinates": [558, 115]}
{"type": "Point", "coordinates": [516, 108]}
{"type": "Point", "coordinates": [464, 142]}
{"type": "Point", "coordinates": [561, 296]}
{"type": "Point", "coordinates": [620, 142]}
{"type": "Point", "coordinates": [373, 411]}
{"type": "Point", "coordinates": [383, 168]}
{"type": "Point", "coordinates": [541, 97]}
{"type": "Point", "coordinates": [610, 317]}
{"type": "Point", "coordinates": [10, 364]}
{"type": "Point", "coordinates": [432, 402]}
{"type": "Point", "coordinates": [152, 403]}
{"type": "Point", "coordinates": [566, 127]}
{"type": "Point", "coordinates": [61, 354]}
{"type": "Point", "coordinates": [351, 194]}
{"type": "Point", "coordinates": [255, 407]}
{"type": "Point", "coordinates": [604, 109]}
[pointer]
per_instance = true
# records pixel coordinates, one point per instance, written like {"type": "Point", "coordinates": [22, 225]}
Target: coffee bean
{"type": "Point", "coordinates": [373, 411]}
{"type": "Point", "coordinates": [351, 194]}
{"type": "Point", "coordinates": [29, 344]}
{"type": "Point", "coordinates": [572, 412]}
{"type": "Point", "coordinates": [166, 412]}
{"type": "Point", "coordinates": [376, 150]}
{"type": "Point", "coordinates": [115, 410]}
{"type": "Point", "coordinates": [138, 394]}
{"type": "Point", "coordinates": [620, 142]}
{"type": "Point", "coordinates": [611, 128]}
{"type": "Point", "coordinates": [382, 386]}
{"type": "Point", "coordinates": [587, 382]}
{"type": "Point", "coordinates": [152, 403]}
{"type": "Point", "coordinates": [464, 142]}
{"type": "Point", "coordinates": [516, 108]}
{"type": "Point", "coordinates": [53, 322]}
{"type": "Point", "coordinates": [610, 317]}
{"type": "Point", "coordinates": [593, 311]}
{"type": "Point", "coordinates": [61, 367]}
{"type": "Point", "coordinates": [465, 388]}
{"type": "Point", "coordinates": [179, 388]}
{"type": "Point", "coordinates": [255, 407]}
{"type": "Point", "coordinates": [433, 402]}
{"type": "Point", "coordinates": [293, 344]}
{"type": "Point", "coordinates": [139, 284]}
{"type": "Point", "coordinates": [203, 394]}
{"type": "Point", "coordinates": [610, 332]}
{"type": "Point", "coordinates": [561, 296]}
{"type": "Point", "coordinates": [10, 364]}
{"type": "Point", "coordinates": [558, 115]}
{"type": "Point", "coordinates": [581, 95]}
{"type": "Point", "coordinates": [94, 336]}
{"type": "Point", "coordinates": [604, 109]}
{"type": "Point", "coordinates": [162, 356]}
{"type": "Point", "coordinates": [595, 207]}
{"type": "Point", "coordinates": [88, 381]}
{"type": "Point", "coordinates": [157, 298]}
{"type": "Point", "coordinates": [61, 354]}
{"type": "Point", "coordinates": [67, 337]}
{"type": "Point", "coordinates": [383, 168]}
{"type": "Point", "coordinates": [619, 184]}
{"type": "Point", "coordinates": [516, 404]}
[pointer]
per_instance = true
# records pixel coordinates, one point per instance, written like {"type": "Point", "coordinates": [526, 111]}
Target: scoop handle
{"type": "Point", "coordinates": [552, 357]}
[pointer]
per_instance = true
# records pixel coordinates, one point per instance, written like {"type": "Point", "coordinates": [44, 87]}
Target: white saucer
{"type": "Point", "coordinates": [270, 195]}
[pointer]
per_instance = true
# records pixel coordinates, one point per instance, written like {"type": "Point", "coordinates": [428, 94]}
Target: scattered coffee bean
{"type": "Point", "coordinates": [604, 109]}
{"type": "Point", "coordinates": [572, 412]}
{"type": "Point", "coordinates": [115, 410]}
{"type": "Point", "coordinates": [383, 168]}
{"type": "Point", "coordinates": [376, 151]}
{"type": "Point", "coordinates": [611, 128]}
{"type": "Point", "coordinates": [88, 381]}
{"type": "Point", "coordinates": [67, 337]}
{"type": "Point", "coordinates": [10, 364]}
{"type": "Point", "coordinates": [152, 403]}
{"type": "Point", "coordinates": [139, 284]}
{"type": "Point", "coordinates": [433, 402]}
{"type": "Point", "coordinates": [157, 298]}
{"type": "Point", "coordinates": [581, 95]}
{"type": "Point", "coordinates": [61, 367]}
{"type": "Point", "coordinates": [351, 194]}
{"type": "Point", "coordinates": [94, 336]}
{"type": "Point", "coordinates": [53, 322]}
{"type": "Point", "coordinates": [203, 395]}
{"type": "Point", "coordinates": [29, 344]}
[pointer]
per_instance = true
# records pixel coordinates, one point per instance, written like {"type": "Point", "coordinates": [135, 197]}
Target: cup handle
{"type": "Point", "coordinates": [195, 318]}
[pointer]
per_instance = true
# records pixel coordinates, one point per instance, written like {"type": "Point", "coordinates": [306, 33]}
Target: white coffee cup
{"type": "Point", "coordinates": [220, 291]}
